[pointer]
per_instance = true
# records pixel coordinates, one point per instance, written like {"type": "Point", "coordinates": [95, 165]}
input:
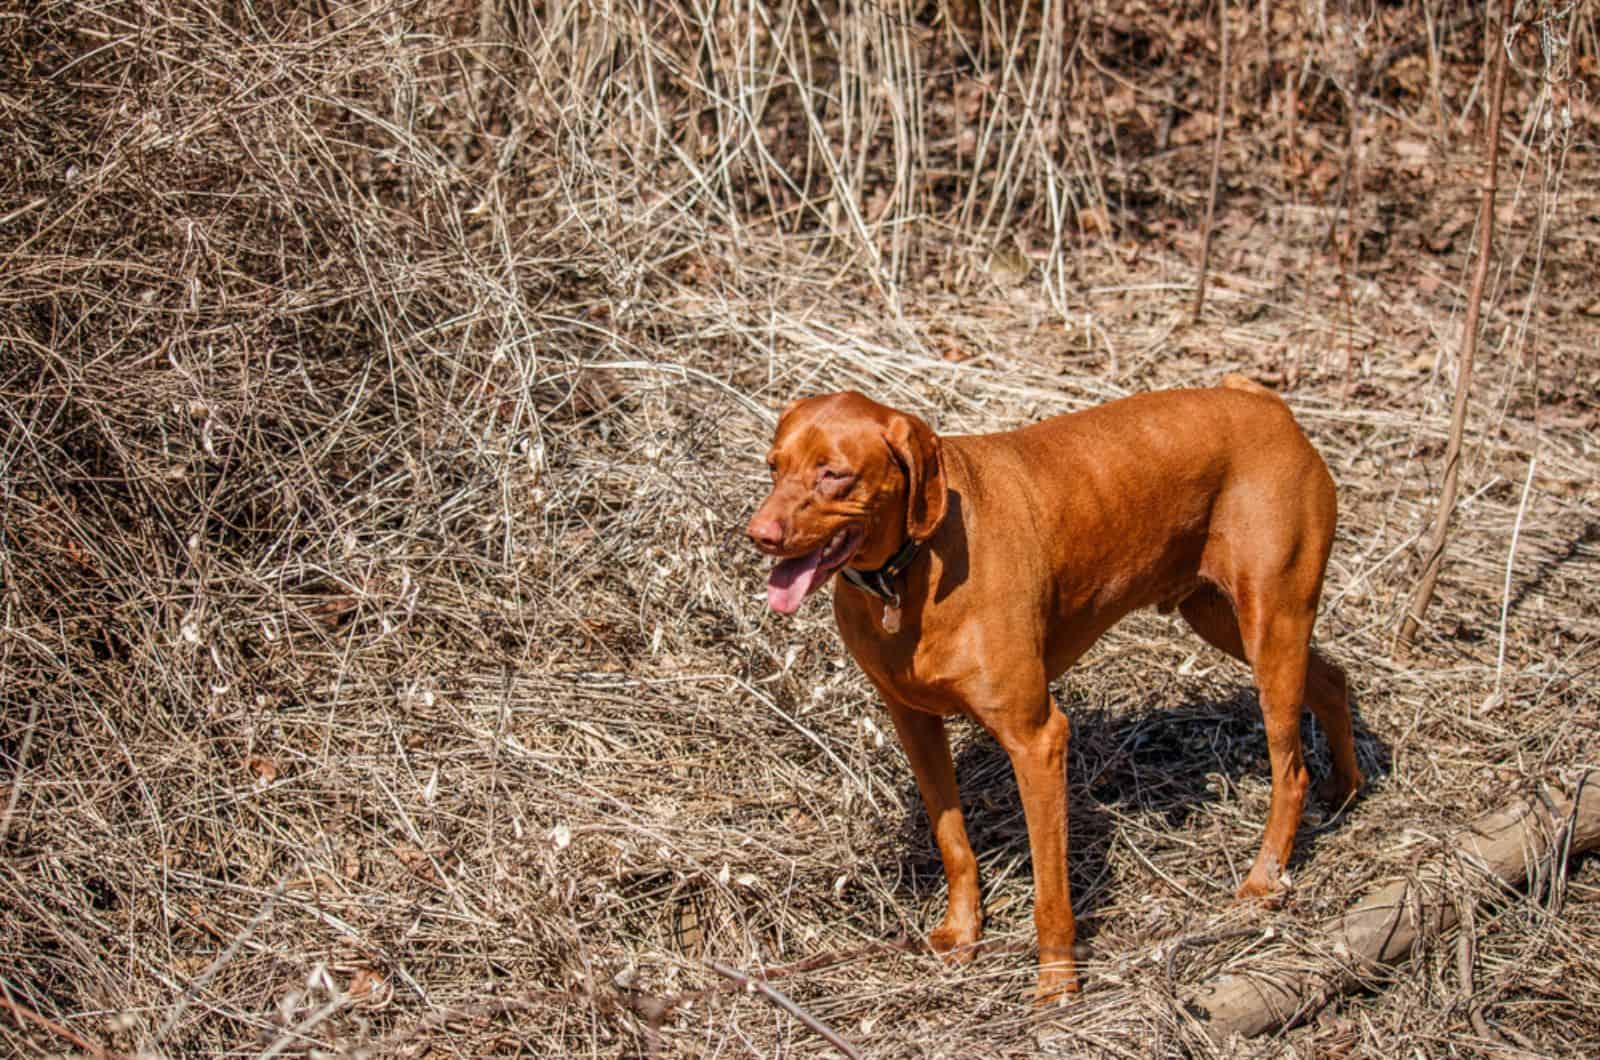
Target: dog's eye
{"type": "Point", "coordinates": [832, 482]}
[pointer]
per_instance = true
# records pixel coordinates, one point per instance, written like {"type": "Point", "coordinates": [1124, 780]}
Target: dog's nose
{"type": "Point", "coordinates": [766, 531]}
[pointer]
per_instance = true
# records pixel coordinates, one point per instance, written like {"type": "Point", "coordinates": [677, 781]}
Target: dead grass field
{"type": "Point", "coordinates": [382, 391]}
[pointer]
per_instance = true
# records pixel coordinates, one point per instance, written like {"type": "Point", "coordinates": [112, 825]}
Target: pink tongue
{"type": "Point", "coordinates": [791, 581]}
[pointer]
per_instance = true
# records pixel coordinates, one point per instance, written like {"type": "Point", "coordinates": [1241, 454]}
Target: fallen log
{"type": "Point", "coordinates": [1383, 929]}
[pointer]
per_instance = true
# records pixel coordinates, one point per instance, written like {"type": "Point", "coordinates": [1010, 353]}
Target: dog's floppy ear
{"type": "Point", "coordinates": [916, 448]}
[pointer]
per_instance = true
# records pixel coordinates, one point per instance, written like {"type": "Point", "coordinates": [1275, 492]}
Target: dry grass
{"type": "Point", "coordinates": [383, 672]}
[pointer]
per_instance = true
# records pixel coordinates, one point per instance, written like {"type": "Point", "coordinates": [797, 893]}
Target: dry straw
{"type": "Point", "coordinates": [382, 389]}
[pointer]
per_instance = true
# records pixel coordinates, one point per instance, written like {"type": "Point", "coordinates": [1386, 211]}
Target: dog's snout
{"type": "Point", "coordinates": [766, 531]}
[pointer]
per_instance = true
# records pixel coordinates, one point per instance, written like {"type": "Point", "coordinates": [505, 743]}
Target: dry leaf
{"type": "Point", "coordinates": [333, 611]}
{"type": "Point", "coordinates": [417, 861]}
{"type": "Point", "coordinates": [1412, 150]}
{"type": "Point", "coordinates": [1092, 221]}
{"type": "Point", "coordinates": [364, 982]}
{"type": "Point", "coordinates": [264, 768]}
{"type": "Point", "coordinates": [1445, 235]}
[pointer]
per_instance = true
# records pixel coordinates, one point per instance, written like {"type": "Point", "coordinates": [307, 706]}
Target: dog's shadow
{"type": "Point", "coordinates": [1155, 761]}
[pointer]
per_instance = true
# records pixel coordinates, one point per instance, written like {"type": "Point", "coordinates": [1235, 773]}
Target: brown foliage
{"type": "Point", "coordinates": [381, 390]}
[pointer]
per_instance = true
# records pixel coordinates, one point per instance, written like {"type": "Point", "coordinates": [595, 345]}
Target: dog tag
{"type": "Point", "coordinates": [891, 618]}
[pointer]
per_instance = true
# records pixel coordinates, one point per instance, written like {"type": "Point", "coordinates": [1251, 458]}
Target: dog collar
{"type": "Point", "coordinates": [880, 582]}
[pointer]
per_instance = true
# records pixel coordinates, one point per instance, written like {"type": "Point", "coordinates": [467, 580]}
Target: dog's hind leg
{"type": "Point", "coordinates": [1209, 614]}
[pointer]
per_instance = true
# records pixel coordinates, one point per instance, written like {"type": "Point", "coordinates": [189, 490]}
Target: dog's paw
{"type": "Point", "coordinates": [1263, 887]}
{"type": "Point", "coordinates": [1336, 792]}
{"type": "Point", "coordinates": [1254, 888]}
{"type": "Point", "coordinates": [956, 942]}
{"type": "Point", "coordinates": [1057, 983]}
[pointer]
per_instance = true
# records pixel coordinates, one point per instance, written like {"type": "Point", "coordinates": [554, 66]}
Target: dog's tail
{"type": "Point", "coordinates": [1235, 381]}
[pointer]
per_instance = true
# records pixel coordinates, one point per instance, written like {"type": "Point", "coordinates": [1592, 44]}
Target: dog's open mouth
{"type": "Point", "coordinates": [798, 577]}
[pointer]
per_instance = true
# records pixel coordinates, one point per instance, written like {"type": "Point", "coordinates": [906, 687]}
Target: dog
{"type": "Point", "coordinates": [975, 569]}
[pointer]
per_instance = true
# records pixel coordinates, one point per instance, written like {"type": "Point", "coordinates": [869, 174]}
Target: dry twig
{"type": "Point", "coordinates": [766, 990]}
{"type": "Point", "coordinates": [1216, 162]}
{"type": "Point", "coordinates": [1495, 49]}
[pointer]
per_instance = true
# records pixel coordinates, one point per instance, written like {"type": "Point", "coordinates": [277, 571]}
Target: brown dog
{"type": "Point", "coordinates": [978, 568]}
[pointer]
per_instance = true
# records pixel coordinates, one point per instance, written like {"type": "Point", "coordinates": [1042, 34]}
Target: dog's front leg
{"type": "Point", "coordinates": [928, 749]}
{"type": "Point", "coordinates": [1035, 737]}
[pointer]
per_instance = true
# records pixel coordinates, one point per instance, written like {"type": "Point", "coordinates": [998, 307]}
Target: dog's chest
{"type": "Point", "coordinates": [921, 672]}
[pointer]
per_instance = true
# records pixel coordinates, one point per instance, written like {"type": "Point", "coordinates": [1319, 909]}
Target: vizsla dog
{"type": "Point", "coordinates": [977, 568]}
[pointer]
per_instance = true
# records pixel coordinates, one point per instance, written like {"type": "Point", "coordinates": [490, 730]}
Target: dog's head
{"type": "Point", "coordinates": [852, 480]}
